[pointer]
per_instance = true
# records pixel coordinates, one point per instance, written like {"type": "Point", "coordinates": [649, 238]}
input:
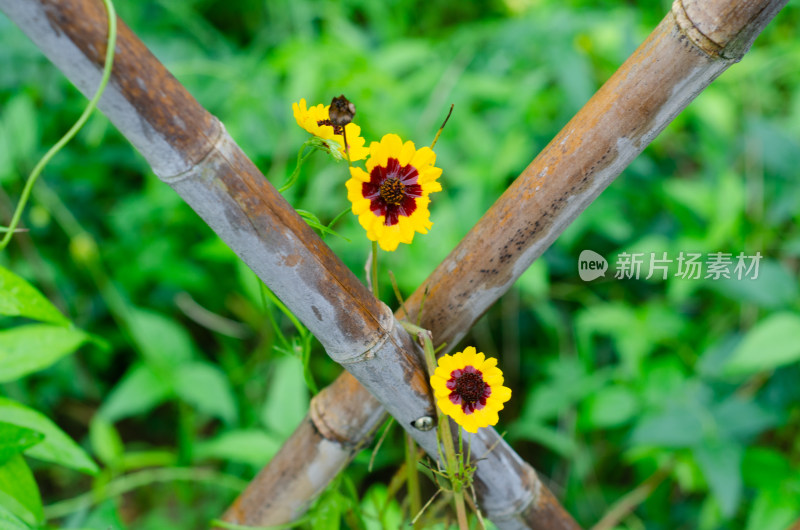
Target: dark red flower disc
{"type": "Point", "coordinates": [468, 389]}
{"type": "Point", "coordinates": [392, 190]}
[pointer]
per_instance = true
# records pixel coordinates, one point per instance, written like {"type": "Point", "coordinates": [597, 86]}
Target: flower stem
{"type": "Point", "coordinates": [445, 433]}
{"type": "Point", "coordinates": [412, 480]}
{"type": "Point", "coordinates": [375, 269]}
{"type": "Point", "coordinates": [436, 138]}
{"type": "Point", "coordinates": [452, 469]}
{"type": "Point", "coordinates": [346, 147]}
{"type": "Point", "coordinates": [301, 158]}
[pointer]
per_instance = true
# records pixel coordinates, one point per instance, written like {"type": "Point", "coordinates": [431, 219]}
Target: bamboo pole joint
{"type": "Point", "coordinates": [721, 28]}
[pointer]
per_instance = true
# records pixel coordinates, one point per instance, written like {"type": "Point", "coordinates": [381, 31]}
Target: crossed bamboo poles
{"type": "Point", "coordinates": [190, 150]}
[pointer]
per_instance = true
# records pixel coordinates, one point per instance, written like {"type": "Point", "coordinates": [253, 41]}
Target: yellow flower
{"type": "Point", "coordinates": [317, 121]}
{"type": "Point", "coordinates": [469, 388]}
{"type": "Point", "coordinates": [391, 197]}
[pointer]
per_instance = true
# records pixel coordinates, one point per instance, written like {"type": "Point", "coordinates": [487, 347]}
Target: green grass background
{"type": "Point", "coordinates": [612, 379]}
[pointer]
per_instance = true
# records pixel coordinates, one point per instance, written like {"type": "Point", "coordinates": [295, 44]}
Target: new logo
{"type": "Point", "coordinates": [591, 265]}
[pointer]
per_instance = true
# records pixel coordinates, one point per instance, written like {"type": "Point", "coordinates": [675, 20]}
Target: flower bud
{"type": "Point", "coordinates": [341, 111]}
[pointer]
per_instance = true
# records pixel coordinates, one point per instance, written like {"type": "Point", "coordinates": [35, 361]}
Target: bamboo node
{"type": "Point", "coordinates": [386, 325]}
{"type": "Point", "coordinates": [692, 32]}
{"type": "Point", "coordinates": [214, 145]}
{"type": "Point", "coordinates": [316, 412]}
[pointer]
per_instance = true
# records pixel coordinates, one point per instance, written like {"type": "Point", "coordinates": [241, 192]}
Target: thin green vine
{"type": "Point", "coordinates": [148, 477]}
{"type": "Point", "coordinates": [37, 170]}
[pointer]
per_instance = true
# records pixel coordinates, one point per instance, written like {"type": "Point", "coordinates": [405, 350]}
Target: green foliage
{"type": "Point", "coordinates": [204, 371]}
{"type": "Point", "coordinates": [19, 493]}
{"type": "Point", "coordinates": [18, 298]}
{"type": "Point", "coordinates": [25, 349]}
{"type": "Point", "coordinates": [773, 342]}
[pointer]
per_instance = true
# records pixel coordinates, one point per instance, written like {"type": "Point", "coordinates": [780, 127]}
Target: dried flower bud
{"type": "Point", "coordinates": [341, 111]}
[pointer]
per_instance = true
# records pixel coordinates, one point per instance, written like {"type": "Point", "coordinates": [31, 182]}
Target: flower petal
{"type": "Point", "coordinates": [429, 174]}
{"type": "Point", "coordinates": [423, 157]}
{"type": "Point", "coordinates": [500, 394]}
{"type": "Point", "coordinates": [389, 240]}
{"type": "Point", "coordinates": [393, 144]}
{"type": "Point", "coordinates": [406, 230]}
{"type": "Point", "coordinates": [406, 153]}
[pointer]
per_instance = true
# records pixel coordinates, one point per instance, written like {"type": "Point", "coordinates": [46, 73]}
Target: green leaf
{"type": "Point", "coordinates": [764, 468]}
{"type": "Point", "coordinates": [27, 349]}
{"type": "Point", "coordinates": [568, 384]}
{"type": "Point", "coordinates": [19, 492]}
{"type": "Point", "coordinates": [106, 516]}
{"type": "Point", "coordinates": [19, 120]}
{"type": "Point", "coordinates": [287, 398]}
{"type": "Point", "coordinates": [139, 391]}
{"type": "Point", "coordinates": [545, 435]}
{"type": "Point", "coordinates": [773, 511]}
{"type": "Point", "coordinates": [19, 298]}
{"type": "Point", "coordinates": [380, 510]}
{"type": "Point", "coordinates": [676, 427]}
{"type": "Point", "coordinates": [774, 288]}
{"type": "Point", "coordinates": [105, 440]}
{"type": "Point", "coordinates": [9, 521]}
{"type": "Point", "coordinates": [721, 464]}
{"type": "Point", "coordinates": [742, 419]}
{"type": "Point", "coordinates": [314, 222]}
{"type": "Point", "coordinates": [15, 439]}
{"type": "Point", "coordinates": [56, 447]}
{"type": "Point", "coordinates": [771, 343]}
{"type": "Point", "coordinates": [251, 446]}
{"type": "Point", "coordinates": [205, 387]}
{"type": "Point", "coordinates": [610, 407]}
{"type": "Point", "coordinates": [327, 513]}
{"type": "Point", "coordinates": [163, 342]}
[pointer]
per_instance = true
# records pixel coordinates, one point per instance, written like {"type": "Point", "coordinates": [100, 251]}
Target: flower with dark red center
{"type": "Point", "coordinates": [391, 197]}
{"type": "Point", "coordinates": [318, 121]}
{"type": "Point", "coordinates": [469, 388]}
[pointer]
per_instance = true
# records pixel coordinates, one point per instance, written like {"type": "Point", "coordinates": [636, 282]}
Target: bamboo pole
{"type": "Point", "coordinates": [694, 44]}
{"type": "Point", "coordinates": [190, 150]}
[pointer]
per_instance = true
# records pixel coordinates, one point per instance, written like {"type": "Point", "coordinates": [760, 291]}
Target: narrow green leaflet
{"type": "Point", "coordinates": [205, 387]}
{"type": "Point", "coordinates": [327, 513]}
{"type": "Point", "coordinates": [250, 446]}
{"type": "Point", "coordinates": [9, 521]}
{"type": "Point", "coordinates": [105, 440]}
{"type": "Point", "coordinates": [611, 406]}
{"type": "Point", "coordinates": [139, 391]}
{"type": "Point", "coordinates": [18, 490]}
{"type": "Point", "coordinates": [27, 349]}
{"type": "Point", "coordinates": [287, 398]}
{"type": "Point", "coordinates": [163, 342]}
{"type": "Point", "coordinates": [19, 298]}
{"type": "Point", "coordinates": [545, 435]}
{"type": "Point", "coordinates": [15, 439]}
{"type": "Point", "coordinates": [721, 464]}
{"type": "Point", "coordinates": [771, 343]}
{"type": "Point", "coordinates": [314, 222]}
{"type": "Point", "coordinates": [56, 447]}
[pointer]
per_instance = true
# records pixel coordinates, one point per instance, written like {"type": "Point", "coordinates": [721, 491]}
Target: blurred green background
{"type": "Point", "coordinates": [616, 382]}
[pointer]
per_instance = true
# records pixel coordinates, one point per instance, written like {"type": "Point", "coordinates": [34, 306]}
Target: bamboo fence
{"type": "Point", "coordinates": [190, 150]}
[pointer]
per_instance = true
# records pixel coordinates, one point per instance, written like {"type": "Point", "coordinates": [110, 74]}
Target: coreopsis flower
{"type": "Point", "coordinates": [391, 197]}
{"type": "Point", "coordinates": [317, 121]}
{"type": "Point", "coordinates": [469, 388]}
